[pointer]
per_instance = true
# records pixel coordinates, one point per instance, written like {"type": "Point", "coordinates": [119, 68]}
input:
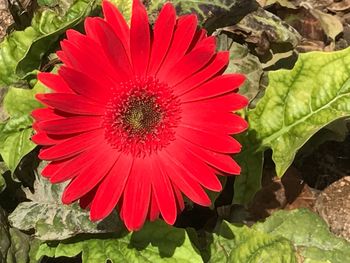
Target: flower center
{"type": "Point", "coordinates": [141, 116]}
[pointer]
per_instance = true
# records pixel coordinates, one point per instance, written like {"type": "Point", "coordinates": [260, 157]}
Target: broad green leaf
{"type": "Point", "coordinates": [242, 244]}
{"type": "Point", "coordinates": [301, 101]}
{"type": "Point", "coordinates": [22, 51]}
{"type": "Point", "coordinates": [309, 234]}
{"type": "Point", "coordinates": [15, 132]}
{"type": "Point", "coordinates": [14, 245]}
{"type": "Point", "coordinates": [53, 220]}
{"type": "Point", "coordinates": [155, 242]}
{"type": "Point", "coordinates": [283, 237]}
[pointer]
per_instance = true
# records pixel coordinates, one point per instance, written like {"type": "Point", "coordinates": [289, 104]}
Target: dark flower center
{"type": "Point", "coordinates": [141, 116]}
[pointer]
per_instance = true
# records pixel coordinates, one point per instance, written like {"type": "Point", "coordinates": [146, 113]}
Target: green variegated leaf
{"type": "Point", "coordinates": [199, 7]}
{"type": "Point", "coordinates": [301, 101]}
{"type": "Point", "coordinates": [241, 61]}
{"type": "Point", "coordinates": [53, 220]}
{"type": "Point", "coordinates": [15, 132]}
{"type": "Point", "coordinates": [155, 242]}
{"type": "Point", "coordinates": [21, 52]}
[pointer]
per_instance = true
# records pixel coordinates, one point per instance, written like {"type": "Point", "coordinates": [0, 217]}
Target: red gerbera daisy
{"type": "Point", "coordinates": [138, 117]}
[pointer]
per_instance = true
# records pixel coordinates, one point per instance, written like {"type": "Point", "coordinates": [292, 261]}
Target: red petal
{"type": "Point", "coordinates": [183, 181]}
{"type": "Point", "coordinates": [118, 23]}
{"type": "Point", "coordinates": [179, 198]}
{"type": "Point", "coordinates": [222, 162]}
{"type": "Point", "coordinates": [195, 167]}
{"type": "Point", "coordinates": [163, 193]}
{"type": "Point", "coordinates": [219, 62]}
{"type": "Point", "coordinates": [210, 140]}
{"type": "Point", "coordinates": [71, 103]}
{"type": "Point", "coordinates": [228, 102]}
{"type": "Point", "coordinates": [62, 56]}
{"type": "Point", "coordinates": [52, 167]}
{"type": "Point", "coordinates": [45, 114]}
{"type": "Point", "coordinates": [86, 200]}
{"type": "Point", "coordinates": [215, 87]}
{"type": "Point", "coordinates": [163, 32]}
{"type": "Point", "coordinates": [72, 167]}
{"type": "Point", "coordinates": [54, 82]}
{"type": "Point", "coordinates": [86, 56]}
{"type": "Point", "coordinates": [42, 138]}
{"type": "Point", "coordinates": [137, 195]}
{"type": "Point", "coordinates": [183, 35]}
{"type": "Point", "coordinates": [190, 63]}
{"type": "Point", "coordinates": [198, 37]}
{"type": "Point", "coordinates": [102, 33]}
{"type": "Point", "coordinates": [91, 175]}
{"type": "Point", "coordinates": [71, 125]}
{"type": "Point", "coordinates": [111, 189]}
{"type": "Point", "coordinates": [72, 146]}
{"type": "Point", "coordinates": [221, 122]}
{"type": "Point", "coordinates": [139, 38]}
{"type": "Point", "coordinates": [154, 210]}
{"type": "Point", "coordinates": [84, 85]}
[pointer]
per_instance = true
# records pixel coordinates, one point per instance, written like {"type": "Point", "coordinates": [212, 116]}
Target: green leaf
{"type": "Point", "coordinates": [53, 220]}
{"type": "Point", "coordinates": [309, 233]}
{"type": "Point", "coordinates": [233, 243]}
{"type": "Point", "coordinates": [15, 133]}
{"type": "Point", "coordinates": [14, 245]}
{"type": "Point", "coordinates": [3, 169]}
{"type": "Point", "coordinates": [301, 101]}
{"type": "Point", "coordinates": [283, 237]}
{"type": "Point", "coordinates": [22, 51]}
{"type": "Point", "coordinates": [60, 5]}
{"type": "Point", "coordinates": [251, 162]}
{"type": "Point", "coordinates": [156, 242]}
{"type": "Point", "coordinates": [50, 26]}
{"type": "Point", "coordinates": [264, 29]}
{"type": "Point", "coordinates": [199, 7]}
{"type": "Point", "coordinates": [125, 7]}
{"type": "Point", "coordinates": [241, 61]}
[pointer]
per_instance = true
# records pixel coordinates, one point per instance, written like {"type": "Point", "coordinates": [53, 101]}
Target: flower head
{"type": "Point", "coordinates": [138, 117]}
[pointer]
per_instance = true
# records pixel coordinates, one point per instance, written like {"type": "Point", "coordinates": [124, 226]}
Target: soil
{"type": "Point", "coordinates": [5, 18]}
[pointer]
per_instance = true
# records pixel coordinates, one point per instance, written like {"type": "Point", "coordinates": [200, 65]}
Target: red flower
{"type": "Point", "coordinates": [138, 117]}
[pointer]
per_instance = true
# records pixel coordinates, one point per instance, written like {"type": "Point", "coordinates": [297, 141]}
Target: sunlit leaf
{"type": "Point", "coordinates": [156, 242]}
{"type": "Point", "coordinates": [301, 101]}
{"type": "Point", "coordinates": [15, 132]}
{"type": "Point", "coordinates": [22, 51]}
